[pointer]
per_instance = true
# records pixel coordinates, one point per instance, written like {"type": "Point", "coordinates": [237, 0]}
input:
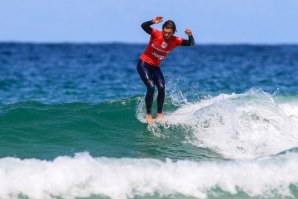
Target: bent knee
{"type": "Point", "coordinates": [150, 86]}
{"type": "Point", "coordinates": [161, 88]}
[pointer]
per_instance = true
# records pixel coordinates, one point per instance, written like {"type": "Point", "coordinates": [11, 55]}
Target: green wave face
{"type": "Point", "coordinates": [108, 129]}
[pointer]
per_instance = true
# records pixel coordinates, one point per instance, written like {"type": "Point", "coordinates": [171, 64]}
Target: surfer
{"type": "Point", "coordinates": [160, 45]}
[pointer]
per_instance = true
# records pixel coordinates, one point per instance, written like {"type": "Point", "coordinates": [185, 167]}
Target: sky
{"type": "Point", "coordinates": [97, 21]}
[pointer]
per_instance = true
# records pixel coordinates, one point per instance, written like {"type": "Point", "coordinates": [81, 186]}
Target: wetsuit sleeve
{"type": "Point", "coordinates": [189, 42]}
{"type": "Point", "coordinates": [146, 27]}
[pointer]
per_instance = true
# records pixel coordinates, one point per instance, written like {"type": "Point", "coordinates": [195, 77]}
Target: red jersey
{"type": "Point", "coordinates": [159, 47]}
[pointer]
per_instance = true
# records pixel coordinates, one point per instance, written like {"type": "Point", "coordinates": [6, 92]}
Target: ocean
{"type": "Point", "coordinates": [72, 123]}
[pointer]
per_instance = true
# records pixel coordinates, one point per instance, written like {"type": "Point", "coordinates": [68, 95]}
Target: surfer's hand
{"type": "Point", "coordinates": [188, 31]}
{"type": "Point", "coordinates": [157, 19]}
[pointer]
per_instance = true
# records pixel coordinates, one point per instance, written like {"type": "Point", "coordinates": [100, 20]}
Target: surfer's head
{"type": "Point", "coordinates": [168, 29]}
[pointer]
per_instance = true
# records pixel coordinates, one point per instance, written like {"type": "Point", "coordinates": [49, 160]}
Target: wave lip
{"type": "Point", "coordinates": [84, 176]}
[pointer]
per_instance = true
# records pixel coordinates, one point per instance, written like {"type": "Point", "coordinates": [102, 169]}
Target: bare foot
{"type": "Point", "coordinates": [160, 116]}
{"type": "Point", "coordinates": [150, 119]}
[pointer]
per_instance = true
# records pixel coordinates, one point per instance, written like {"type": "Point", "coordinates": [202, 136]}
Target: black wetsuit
{"type": "Point", "coordinates": [152, 75]}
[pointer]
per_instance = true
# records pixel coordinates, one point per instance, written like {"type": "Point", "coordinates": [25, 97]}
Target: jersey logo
{"type": "Point", "coordinates": [164, 44]}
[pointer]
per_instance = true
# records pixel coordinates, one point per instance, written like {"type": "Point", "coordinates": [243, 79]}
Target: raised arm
{"type": "Point", "coordinates": [146, 25]}
{"type": "Point", "coordinates": [190, 41]}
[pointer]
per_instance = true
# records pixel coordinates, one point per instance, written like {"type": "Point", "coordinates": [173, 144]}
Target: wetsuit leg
{"type": "Point", "coordinates": [160, 83]}
{"type": "Point", "coordinates": [146, 75]}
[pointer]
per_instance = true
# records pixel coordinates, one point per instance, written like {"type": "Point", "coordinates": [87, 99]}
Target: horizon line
{"type": "Point", "coordinates": [145, 43]}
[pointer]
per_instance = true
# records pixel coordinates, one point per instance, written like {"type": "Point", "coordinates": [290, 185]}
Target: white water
{"type": "Point", "coordinates": [239, 126]}
{"type": "Point", "coordinates": [83, 176]}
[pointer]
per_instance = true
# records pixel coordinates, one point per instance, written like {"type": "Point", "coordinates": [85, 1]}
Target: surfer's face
{"type": "Point", "coordinates": [167, 33]}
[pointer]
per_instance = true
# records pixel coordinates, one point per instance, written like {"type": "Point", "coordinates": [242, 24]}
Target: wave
{"type": "Point", "coordinates": [228, 126]}
{"type": "Point", "coordinates": [238, 126]}
{"type": "Point", "coordinates": [86, 176]}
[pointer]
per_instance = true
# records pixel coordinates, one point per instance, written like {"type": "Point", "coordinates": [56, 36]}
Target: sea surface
{"type": "Point", "coordinates": [72, 123]}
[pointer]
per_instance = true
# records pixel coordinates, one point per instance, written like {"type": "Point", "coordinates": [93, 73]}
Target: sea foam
{"type": "Point", "coordinates": [84, 176]}
{"type": "Point", "coordinates": [238, 126]}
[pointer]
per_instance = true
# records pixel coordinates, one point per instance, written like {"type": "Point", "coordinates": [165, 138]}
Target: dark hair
{"type": "Point", "coordinates": [170, 25]}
